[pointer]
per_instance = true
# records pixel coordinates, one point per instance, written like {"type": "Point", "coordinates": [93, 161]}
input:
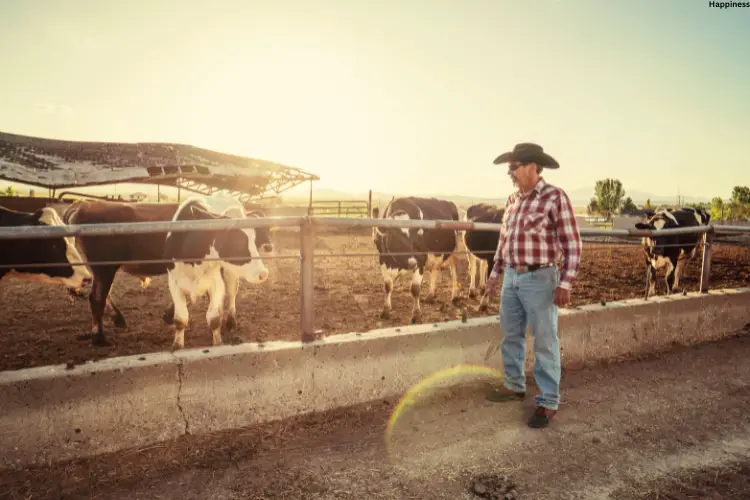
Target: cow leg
{"type": "Point", "coordinates": [388, 276]}
{"type": "Point", "coordinates": [100, 289]}
{"type": "Point", "coordinates": [232, 283]}
{"type": "Point", "coordinates": [482, 276]}
{"type": "Point", "coordinates": [117, 318]}
{"type": "Point", "coordinates": [434, 272]}
{"type": "Point", "coordinates": [680, 270]}
{"type": "Point", "coordinates": [416, 287]}
{"type": "Point", "coordinates": [669, 278]}
{"type": "Point", "coordinates": [472, 276]}
{"type": "Point", "coordinates": [650, 279]}
{"type": "Point", "coordinates": [181, 315]}
{"type": "Point", "coordinates": [454, 280]}
{"type": "Point", "coordinates": [215, 306]}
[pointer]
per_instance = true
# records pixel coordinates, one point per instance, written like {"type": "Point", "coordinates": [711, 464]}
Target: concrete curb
{"type": "Point", "coordinates": [50, 413]}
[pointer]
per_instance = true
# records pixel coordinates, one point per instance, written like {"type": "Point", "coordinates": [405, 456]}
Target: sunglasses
{"type": "Point", "coordinates": [515, 166]}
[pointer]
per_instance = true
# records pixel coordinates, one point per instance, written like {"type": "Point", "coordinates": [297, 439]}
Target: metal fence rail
{"type": "Point", "coordinates": [307, 227]}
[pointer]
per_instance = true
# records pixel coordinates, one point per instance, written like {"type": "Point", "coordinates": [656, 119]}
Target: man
{"type": "Point", "coordinates": [538, 224]}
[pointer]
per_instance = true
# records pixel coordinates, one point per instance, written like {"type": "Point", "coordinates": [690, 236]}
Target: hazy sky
{"type": "Point", "coordinates": [410, 96]}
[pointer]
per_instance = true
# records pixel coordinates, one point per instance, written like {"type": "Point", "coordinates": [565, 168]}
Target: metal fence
{"type": "Point", "coordinates": [307, 227]}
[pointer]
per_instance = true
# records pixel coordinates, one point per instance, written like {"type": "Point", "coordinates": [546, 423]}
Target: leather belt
{"type": "Point", "coordinates": [522, 269]}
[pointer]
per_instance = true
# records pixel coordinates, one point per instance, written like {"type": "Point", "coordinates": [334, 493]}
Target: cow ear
{"type": "Point", "coordinates": [199, 214]}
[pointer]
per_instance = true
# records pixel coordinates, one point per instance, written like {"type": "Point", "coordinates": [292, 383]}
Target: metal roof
{"type": "Point", "coordinates": [57, 164]}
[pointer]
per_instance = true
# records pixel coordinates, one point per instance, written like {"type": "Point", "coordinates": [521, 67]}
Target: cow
{"type": "Point", "coordinates": [433, 249]}
{"type": "Point", "coordinates": [232, 250]}
{"type": "Point", "coordinates": [70, 272]}
{"type": "Point", "coordinates": [481, 246]}
{"type": "Point", "coordinates": [671, 252]}
{"type": "Point", "coordinates": [143, 246]}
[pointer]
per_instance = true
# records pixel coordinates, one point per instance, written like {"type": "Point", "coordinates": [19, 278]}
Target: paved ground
{"type": "Point", "coordinates": [626, 431]}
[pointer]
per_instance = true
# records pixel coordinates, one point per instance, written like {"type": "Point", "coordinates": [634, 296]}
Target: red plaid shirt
{"type": "Point", "coordinates": [538, 227]}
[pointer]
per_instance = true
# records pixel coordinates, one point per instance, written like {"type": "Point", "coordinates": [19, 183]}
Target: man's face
{"type": "Point", "coordinates": [522, 174]}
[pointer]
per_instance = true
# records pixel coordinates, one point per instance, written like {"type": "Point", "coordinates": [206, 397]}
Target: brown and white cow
{"type": "Point", "coordinates": [433, 249]}
{"type": "Point", "coordinates": [30, 251]}
{"type": "Point", "coordinates": [144, 246]}
{"type": "Point", "coordinates": [233, 252]}
{"type": "Point", "coordinates": [481, 246]}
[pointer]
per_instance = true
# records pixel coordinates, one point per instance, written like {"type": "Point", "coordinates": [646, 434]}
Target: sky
{"type": "Point", "coordinates": [407, 96]}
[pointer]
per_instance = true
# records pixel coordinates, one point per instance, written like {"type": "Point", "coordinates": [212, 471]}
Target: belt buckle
{"type": "Point", "coordinates": [522, 269]}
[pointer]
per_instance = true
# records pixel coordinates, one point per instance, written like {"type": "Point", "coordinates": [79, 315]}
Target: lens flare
{"type": "Point", "coordinates": [422, 388]}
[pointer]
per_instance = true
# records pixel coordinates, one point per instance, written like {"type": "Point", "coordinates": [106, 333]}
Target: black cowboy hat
{"type": "Point", "coordinates": [528, 152]}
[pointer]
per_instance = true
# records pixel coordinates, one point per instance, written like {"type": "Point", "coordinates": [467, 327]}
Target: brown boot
{"type": "Point", "coordinates": [541, 417]}
{"type": "Point", "coordinates": [502, 394]}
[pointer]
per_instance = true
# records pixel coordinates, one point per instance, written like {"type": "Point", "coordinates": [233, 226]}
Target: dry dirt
{"type": "Point", "coordinates": [672, 426]}
{"type": "Point", "coordinates": [38, 325]}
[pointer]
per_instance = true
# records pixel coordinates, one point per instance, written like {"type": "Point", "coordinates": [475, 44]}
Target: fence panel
{"type": "Point", "coordinates": [309, 225]}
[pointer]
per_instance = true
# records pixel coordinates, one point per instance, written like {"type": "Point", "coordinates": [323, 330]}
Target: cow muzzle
{"type": "Point", "coordinates": [257, 276]}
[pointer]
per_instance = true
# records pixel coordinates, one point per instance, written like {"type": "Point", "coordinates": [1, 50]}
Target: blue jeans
{"type": "Point", "coordinates": [527, 299]}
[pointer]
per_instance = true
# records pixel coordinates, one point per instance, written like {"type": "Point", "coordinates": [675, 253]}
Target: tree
{"type": "Point", "coordinates": [741, 195]}
{"type": "Point", "coordinates": [593, 207]}
{"type": "Point", "coordinates": [717, 208]}
{"type": "Point", "coordinates": [647, 205]}
{"type": "Point", "coordinates": [628, 205]}
{"type": "Point", "coordinates": [739, 205]}
{"type": "Point", "coordinates": [609, 194]}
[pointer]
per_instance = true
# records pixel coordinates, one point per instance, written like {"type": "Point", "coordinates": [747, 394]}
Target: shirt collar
{"type": "Point", "coordinates": [538, 188]}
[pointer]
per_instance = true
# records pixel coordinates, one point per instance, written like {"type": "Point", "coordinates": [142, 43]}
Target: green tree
{"type": "Point", "coordinates": [593, 207]}
{"type": "Point", "coordinates": [741, 195]}
{"type": "Point", "coordinates": [609, 194]}
{"type": "Point", "coordinates": [647, 205]}
{"type": "Point", "coordinates": [628, 205]}
{"type": "Point", "coordinates": [717, 209]}
{"type": "Point", "coordinates": [739, 205]}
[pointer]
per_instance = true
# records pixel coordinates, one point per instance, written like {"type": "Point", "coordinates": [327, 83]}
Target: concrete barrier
{"type": "Point", "coordinates": [51, 413]}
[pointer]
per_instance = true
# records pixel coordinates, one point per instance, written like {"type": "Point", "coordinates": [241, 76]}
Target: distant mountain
{"type": "Point", "coordinates": [579, 197]}
{"type": "Point", "coordinates": [383, 198]}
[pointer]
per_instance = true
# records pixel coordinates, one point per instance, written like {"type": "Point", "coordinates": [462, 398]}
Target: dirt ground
{"type": "Point", "coordinates": [669, 426]}
{"type": "Point", "coordinates": [39, 326]}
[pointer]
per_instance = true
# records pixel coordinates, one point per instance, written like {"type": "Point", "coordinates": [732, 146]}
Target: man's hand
{"type": "Point", "coordinates": [491, 285]}
{"type": "Point", "coordinates": [562, 297]}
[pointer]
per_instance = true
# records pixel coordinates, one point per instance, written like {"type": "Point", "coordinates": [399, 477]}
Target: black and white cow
{"type": "Point", "coordinates": [23, 252]}
{"type": "Point", "coordinates": [433, 249]}
{"type": "Point", "coordinates": [481, 246]}
{"type": "Point", "coordinates": [671, 252]}
{"type": "Point", "coordinates": [194, 279]}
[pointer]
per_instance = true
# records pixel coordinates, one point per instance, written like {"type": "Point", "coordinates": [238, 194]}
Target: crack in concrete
{"type": "Point", "coordinates": [180, 377]}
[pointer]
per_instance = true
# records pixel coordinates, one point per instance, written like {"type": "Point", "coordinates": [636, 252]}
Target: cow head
{"type": "Point", "coordinates": [662, 219]}
{"type": "Point", "coordinates": [237, 245]}
{"type": "Point", "coordinates": [70, 272]}
{"type": "Point", "coordinates": [262, 234]}
{"type": "Point", "coordinates": [399, 240]}
{"type": "Point", "coordinates": [669, 219]}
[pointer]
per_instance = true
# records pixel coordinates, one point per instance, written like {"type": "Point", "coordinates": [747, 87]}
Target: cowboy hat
{"type": "Point", "coordinates": [528, 152]}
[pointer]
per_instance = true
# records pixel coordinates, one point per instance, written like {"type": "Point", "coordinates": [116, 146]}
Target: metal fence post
{"type": "Point", "coordinates": [706, 270]}
{"type": "Point", "coordinates": [307, 306]}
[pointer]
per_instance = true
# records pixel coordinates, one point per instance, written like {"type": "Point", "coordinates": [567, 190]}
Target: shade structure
{"type": "Point", "coordinates": [57, 164]}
